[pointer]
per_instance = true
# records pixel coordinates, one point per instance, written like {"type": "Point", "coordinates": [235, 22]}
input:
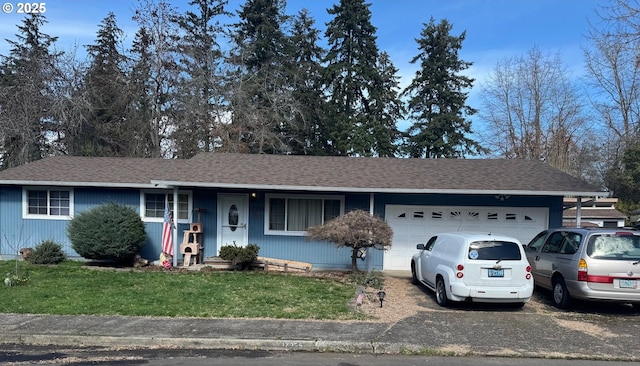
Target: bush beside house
{"type": "Point", "coordinates": [241, 257]}
{"type": "Point", "coordinates": [110, 232]}
{"type": "Point", "coordinates": [47, 252]}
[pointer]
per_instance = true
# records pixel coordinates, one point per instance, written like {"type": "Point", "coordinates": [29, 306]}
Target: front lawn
{"type": "Point", "coordinates": [72, 289]}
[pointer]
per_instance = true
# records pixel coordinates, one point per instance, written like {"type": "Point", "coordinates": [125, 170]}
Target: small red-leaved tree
{"type": "Point", "coordinates": [357, 230]}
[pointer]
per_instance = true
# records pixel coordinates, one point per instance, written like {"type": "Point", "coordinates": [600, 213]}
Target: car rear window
{"type": "Point", "coordinates": [494, 250]}
{"type": "Point", "coordinates": [622, 246]}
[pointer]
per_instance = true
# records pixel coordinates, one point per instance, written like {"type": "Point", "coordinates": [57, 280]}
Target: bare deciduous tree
{"type": "Point", "coordinates": [614, 69]}
{"type": "Point", "coordinates": [154, 76]}
{"type": "Point", "coordinates": [613, 65]}
{"type": "Point", "coordinates": [533, 111]}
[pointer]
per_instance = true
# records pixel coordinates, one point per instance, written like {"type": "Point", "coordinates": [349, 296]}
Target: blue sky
{"type": "Point", "coordinates": [495, 29]}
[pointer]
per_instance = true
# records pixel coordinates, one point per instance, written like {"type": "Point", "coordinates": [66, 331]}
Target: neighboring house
{"type": "Point", "coordinates": [597, 212]}
{"type": "Point", "coordinates": [271, 200]}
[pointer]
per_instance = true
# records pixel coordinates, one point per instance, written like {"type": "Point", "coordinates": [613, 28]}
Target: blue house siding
{"type": "Point", "coordinates": [16, 232]}
{"type": "Point", "coordinates": [322, 255]}
{"type": "Point", "coordinates": [207, 201]}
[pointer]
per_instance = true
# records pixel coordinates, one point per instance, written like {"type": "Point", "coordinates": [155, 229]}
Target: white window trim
{"type": "Point", "coordinates": [25, 203]}
{"type": "Point", "coordinates": [268, 197]}
{"type": "Point", "coordinates": [166, 192]}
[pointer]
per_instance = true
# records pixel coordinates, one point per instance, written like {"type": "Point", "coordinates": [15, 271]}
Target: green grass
{"type": "Point", "coordinates": [72, 289]}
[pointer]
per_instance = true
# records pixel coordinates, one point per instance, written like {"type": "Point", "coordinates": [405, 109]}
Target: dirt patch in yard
{"type": "Point", "coordinates": [399, 302]}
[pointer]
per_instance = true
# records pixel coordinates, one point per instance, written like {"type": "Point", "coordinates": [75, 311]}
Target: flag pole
{"type": "Point", "coordinates": [175, 226]}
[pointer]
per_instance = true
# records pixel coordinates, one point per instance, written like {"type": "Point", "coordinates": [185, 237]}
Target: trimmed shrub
{"type": "Point", "coordinates": [241, 257]}
{"type": "Point", "coordinates": [47, 252]}
{"type": "Point", "coordinates": [110, 232]}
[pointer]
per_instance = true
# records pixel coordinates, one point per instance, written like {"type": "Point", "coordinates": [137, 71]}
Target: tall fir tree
{"type": "Point", "coordinates": [263, 104]}
{"type": "Point", "coordinates": [304, 134]}
{"type": "Point", "coordinates": [385, 111]}
{"type": "Point", "coordinates": [27, 78]}
{"type": "Point", "coordinates": [106, 131]}
{"type": "Point", "coordinates": [437, 97]}
{"type": "Point", "coordinates": [200, 108]}
{"type": "Point", "coordinates": [354, 85]}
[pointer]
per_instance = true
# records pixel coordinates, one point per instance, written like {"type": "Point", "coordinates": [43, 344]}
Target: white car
{"type": "Point", "coordinates": [473, 267]}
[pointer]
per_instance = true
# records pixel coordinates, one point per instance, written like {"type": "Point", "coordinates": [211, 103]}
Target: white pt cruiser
{"type": "Point", "coordinates": [473, 267]}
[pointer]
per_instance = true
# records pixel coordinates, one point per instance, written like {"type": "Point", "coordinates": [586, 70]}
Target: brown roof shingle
{"type": "Point", "coordinates": [513, 176]}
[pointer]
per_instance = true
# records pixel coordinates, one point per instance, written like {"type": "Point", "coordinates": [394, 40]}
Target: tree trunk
{"type": "Point", "coordinates": [354, 260]}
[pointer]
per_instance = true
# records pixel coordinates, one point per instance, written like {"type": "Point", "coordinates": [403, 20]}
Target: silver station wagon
{"type": "Point", "coordinates": [587, 264]}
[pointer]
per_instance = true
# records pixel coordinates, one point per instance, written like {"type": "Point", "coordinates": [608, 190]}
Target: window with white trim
{"type": "Point", "coordinates": [47, 203]}
{"type": "Point", "coordinates": [293, 215]}
{"type": "Point", "coordinates": [152, 205]}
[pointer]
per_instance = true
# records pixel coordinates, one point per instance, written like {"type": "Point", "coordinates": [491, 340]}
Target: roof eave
{"type": "Point", "coordinates": [172, 184]}
{"type": "Point", "coordinates": [75, 184]}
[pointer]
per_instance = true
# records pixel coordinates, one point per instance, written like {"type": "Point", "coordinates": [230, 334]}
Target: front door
{"type": "Point", "coordinates": [233, 217]}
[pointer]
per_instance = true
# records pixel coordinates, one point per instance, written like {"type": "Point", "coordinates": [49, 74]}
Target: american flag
{"type": "Point", "coordinates": [167, 242]}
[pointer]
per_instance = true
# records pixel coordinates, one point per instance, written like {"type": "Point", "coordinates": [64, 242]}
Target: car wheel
{"type": "Point", "coordinates": [561, 296]}
{"type": "Point", "coordinates": [414, 277]}
{"type": "Point", "coordinates": [441, 292]}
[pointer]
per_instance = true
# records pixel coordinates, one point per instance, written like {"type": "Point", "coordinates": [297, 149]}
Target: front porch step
{"type": "Point", "coordinates": [217, 263]}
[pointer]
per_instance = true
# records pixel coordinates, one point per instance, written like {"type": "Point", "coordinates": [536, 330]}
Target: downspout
{"type": "Point", "coordinates": [175, 226]}
{"type": "Point", "coordinates": [578, 211]}
{"type": "Point", "coordinates": [369, 261]}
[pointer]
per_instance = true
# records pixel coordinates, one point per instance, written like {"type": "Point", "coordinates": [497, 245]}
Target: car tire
{"type": "Point", "coordinates": [414, 277]}
{"type": "Point", "coordinates": [441, 292]}
{"type": "Point", "coordinates": [560, 294]}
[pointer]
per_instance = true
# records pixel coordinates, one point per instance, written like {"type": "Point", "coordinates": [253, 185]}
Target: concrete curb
{"type": "Point", "coordinates": [283, 345]}
{"type": "Point", "coordinates": [202, 343]}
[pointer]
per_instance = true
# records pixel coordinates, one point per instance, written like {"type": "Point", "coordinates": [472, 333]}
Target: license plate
{"type": "Point", "coordinates": [628, 283]}
{"type": "Point", "coordinates": [496, 272]}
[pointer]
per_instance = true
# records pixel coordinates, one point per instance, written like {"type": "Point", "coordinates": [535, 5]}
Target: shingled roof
{"type": "Point", "coordinates": [306, 173]}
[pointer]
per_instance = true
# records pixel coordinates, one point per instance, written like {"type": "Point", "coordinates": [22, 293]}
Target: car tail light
{"type": "Point", "coordinates": [460, 268]}
{"type": "Point", "coordinates": [528, 268]}
{"type": "Point", "coordinates": [582, 270]}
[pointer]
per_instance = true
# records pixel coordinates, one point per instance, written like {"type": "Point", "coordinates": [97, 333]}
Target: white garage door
{"type": "Point", "coordinates": [415, 224]}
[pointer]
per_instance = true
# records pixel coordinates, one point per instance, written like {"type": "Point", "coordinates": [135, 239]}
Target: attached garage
{"type": "Point", "coordinates": [413, 224]}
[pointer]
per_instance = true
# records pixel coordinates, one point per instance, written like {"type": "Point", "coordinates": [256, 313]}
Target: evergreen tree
{"type": "Point", "coordinates": [384, 111]}
{"type": "Point", "coordinates": [623, 178]}
{"type": "Point", "coordinates": [437, 98]}
{"type": "Point", "coordinates": [354, 85]}
{"type": "Point", "coordinates": [200, 108]}
{"type": "Point", "coordinates": [304, 134]}
{"type": "Point", "coordinates": [263, 104]}
{"type": "Point", "coordinates": [27, 78]}
{"type": "Point", "coordinates": [106, 131]}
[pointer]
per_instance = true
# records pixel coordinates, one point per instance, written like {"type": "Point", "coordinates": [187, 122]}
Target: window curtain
{"type": "Point", "coordinates": [303, 213]}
